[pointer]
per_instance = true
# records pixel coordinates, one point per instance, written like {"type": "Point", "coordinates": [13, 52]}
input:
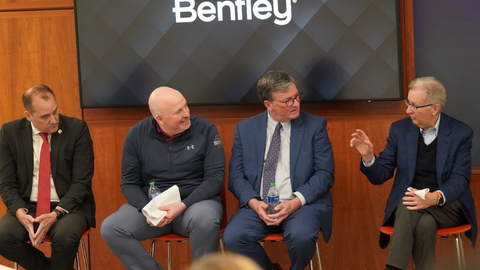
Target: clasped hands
{"type": "Point", "coordinates": [284, 209]}
{"type": "Point", "coordinates": [44, 222]}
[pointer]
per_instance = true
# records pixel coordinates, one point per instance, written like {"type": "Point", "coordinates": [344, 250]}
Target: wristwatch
{"type": "Point", "coordinates": [59, 213]}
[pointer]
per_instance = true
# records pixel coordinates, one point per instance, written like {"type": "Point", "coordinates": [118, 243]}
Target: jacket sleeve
{"type": "Point", "coordinates": [238, 183]}
{"type": "Point", "coordinates": [385, 164]}
{"type": "Point", "coordinates": [132, 171]}
{"type": "Point", "coordinates": [75, 166]}
{"type": "Point", "coordinates": [9, 186]}
{"type": "Point", "coordinates": [321, 179]}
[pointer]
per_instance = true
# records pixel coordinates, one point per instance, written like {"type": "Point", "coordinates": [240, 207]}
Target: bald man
{"type": "Point", "coordinates": [171, 147]}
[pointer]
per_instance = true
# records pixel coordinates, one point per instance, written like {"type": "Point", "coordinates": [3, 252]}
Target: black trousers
{"type": "Point", "coordinates": [65, 235]}
{"type": "Point", "coordinates": [415, 233]}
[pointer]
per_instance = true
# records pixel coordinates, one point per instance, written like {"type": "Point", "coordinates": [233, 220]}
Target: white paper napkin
{"type": "Point", "coordinates": [421, 192]}
{"type": "Point", "coordinates": [151, 212]}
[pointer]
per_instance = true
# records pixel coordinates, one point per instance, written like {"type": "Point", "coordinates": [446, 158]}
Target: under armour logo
{"type": "Point", "coordinates": [190, 147]}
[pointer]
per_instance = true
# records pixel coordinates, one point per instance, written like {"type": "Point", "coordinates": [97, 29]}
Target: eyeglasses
{"type": "Point", "coordinates": [291, 101]}
{"type": "Point", "coordinates": [414, 108]}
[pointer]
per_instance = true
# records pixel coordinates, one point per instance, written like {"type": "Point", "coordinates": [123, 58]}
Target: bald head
{"type": "Point", "coordinates": [170, 110]}
{"type": "Point", "coordinates": [161, 98]}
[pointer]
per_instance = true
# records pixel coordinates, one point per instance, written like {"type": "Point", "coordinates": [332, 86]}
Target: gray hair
{"type": "Point", "coordinates": [436, 93]}
{"type": "Point", "coordinates": [271, 82]}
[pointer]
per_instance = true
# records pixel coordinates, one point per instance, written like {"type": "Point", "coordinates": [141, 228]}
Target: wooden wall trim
{"type": "Point", "coordinates": [325, 109]}
{"type": "Point", "coordinates": [408, 45]}
{"type": "Point", "coordinates": [27, 6]}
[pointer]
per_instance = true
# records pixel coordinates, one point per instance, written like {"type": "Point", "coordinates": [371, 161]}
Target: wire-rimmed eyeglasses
{"type": "Point", "coordinates": [414, 107]}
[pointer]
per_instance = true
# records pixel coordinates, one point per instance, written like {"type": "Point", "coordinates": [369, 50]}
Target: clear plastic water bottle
{"type": "Point", "coordinates": [273, 198]}
{"type": "Point", "coordinates": [153, 191]}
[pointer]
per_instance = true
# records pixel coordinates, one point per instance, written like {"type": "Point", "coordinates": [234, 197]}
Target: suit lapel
{"type": "Point", "coordinates": [412, 149]}
{"type": "Point", "coordinates": [54, 148]}
{"type": "Point", "coordinates": [27, 141]}
{"type": "Point", "coordinates": [296, 138]}
{"type": "Point", "coordinates": [443, 146]}
{"type": "Point", "coordinates": [260, 137]}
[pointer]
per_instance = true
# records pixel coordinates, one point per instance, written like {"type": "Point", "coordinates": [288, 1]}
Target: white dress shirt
{"type": "Point", "coordinates": [282, 174]}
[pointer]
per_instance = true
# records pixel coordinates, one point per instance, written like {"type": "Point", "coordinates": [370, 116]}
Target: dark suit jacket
{"type": "Point", "coordinates": [311, 162]}
{"type": "Point", "coordinates": [454, 143]}
{"type": "Point", "coordinates": [71, 165]}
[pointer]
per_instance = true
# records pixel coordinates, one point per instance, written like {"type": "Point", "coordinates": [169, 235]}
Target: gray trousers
{"type": "Point", "coordinates": [124, 229]}
{"type": "Point", "coordinates": [415, 233]}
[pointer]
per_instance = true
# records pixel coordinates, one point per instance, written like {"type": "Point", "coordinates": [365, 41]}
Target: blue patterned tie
{"type": "Point", "coordinates": [270, 166]}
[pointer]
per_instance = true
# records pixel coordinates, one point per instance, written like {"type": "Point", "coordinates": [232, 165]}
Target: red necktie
{"type": "Point", "coordinates": [43, 198]}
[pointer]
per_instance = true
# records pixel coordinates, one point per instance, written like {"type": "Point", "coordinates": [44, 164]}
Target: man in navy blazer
{"type": "Point", "coordinates": [304, 175]}
{"type": "Point", "coordinates": [431, 153]}
{"type": "Point", "coordinates": [72, 205]}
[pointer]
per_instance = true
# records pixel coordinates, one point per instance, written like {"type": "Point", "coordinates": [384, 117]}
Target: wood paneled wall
{"type": "Point", "coordinates": [38, 45]}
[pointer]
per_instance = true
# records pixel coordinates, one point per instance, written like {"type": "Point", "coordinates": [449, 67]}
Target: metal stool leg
{"type": "Point", "coordinates": [317, 253]}
{"type": "Point", "coordinates": [460, 254]}
{"type": "Point", "coordinates": [77, 258]}
{"type": "Point", "coordinates": [222, 249]}
{"type": "Point", "coordinates": [318, 257]}
{"type": "Point", "coordinates": [169, 248]}
{"type": "Point", "coordinates": [84, 251]}
{"type": "Point", "coordinates": [169, 251]}
{"type": "Point", "coordinates": [152, 249]}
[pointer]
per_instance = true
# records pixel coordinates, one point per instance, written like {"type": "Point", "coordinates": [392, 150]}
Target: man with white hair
{"type": "Point", "coordinates": [429, 151]}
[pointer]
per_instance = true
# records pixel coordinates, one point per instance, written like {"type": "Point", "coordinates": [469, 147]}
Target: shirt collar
{"type": "Point", "coordinates": [272, 123]}
{"type": "Point", "coordinates": [165, 135]}
{"type": "Point", "coordinates": [34, 130]}
{"type": "Point", "coordinates": [435, 127]}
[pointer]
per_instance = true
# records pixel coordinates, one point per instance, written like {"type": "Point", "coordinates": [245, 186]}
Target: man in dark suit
{"type": "Point", "coordinates": [429, 149]}
{"type": "Point", "coordinates": [70, 207]}
{"type": "Point", "coordinates": [304, 175]}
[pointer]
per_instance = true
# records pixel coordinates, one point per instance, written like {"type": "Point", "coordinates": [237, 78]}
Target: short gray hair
{"type": "Point", "coordinates": [436, 93]}
{"type": "Point", "coordinates": [271, 82]}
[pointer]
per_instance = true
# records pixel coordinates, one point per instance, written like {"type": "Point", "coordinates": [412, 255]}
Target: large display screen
{"type": "Point", "coordinates": [215, 51]}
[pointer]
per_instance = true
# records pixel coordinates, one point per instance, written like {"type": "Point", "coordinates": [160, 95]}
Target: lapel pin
{"type": "Point", "coordinates": [59, 131]}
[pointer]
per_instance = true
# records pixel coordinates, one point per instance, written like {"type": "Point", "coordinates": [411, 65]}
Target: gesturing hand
{"type": "Point", "coordinates": [363, 145]}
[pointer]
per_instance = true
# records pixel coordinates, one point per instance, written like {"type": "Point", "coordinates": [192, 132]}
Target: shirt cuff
{"type": "Point", "coordinates": [300, 196]}
{"type": "Point", "coordinates": [444, 199]}
{"type": "Point", "coordinates": [63, 209]}
{"type": "Point", "coordinates": [369, 164]}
